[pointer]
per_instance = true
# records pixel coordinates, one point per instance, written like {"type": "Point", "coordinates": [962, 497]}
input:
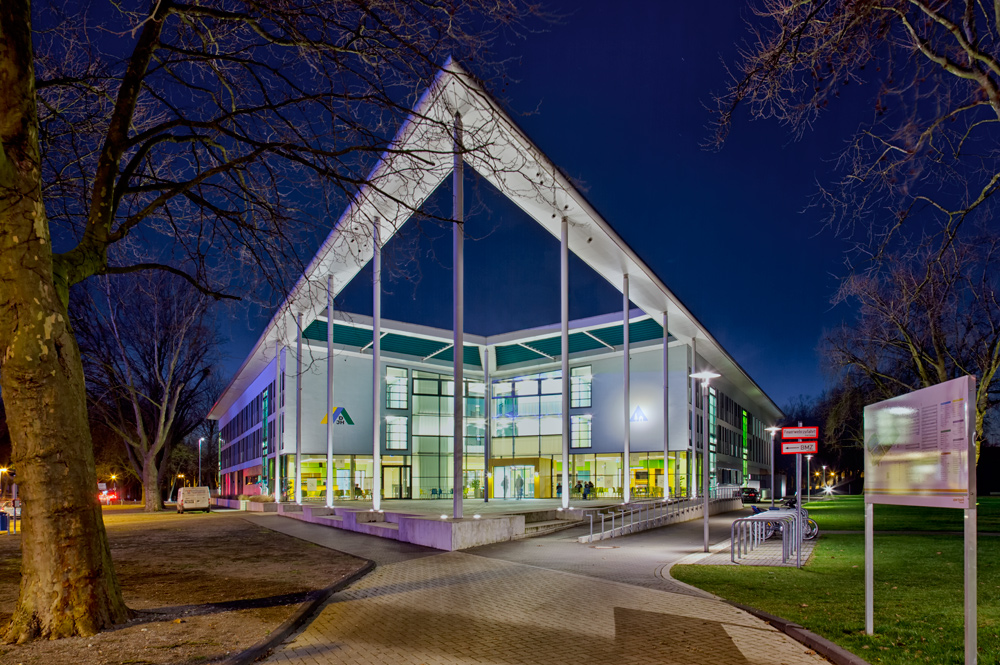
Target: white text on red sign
{"type": "Point", "coordinates": [799, 447]}
{"type": "Point", "coordinates": [799, 432]}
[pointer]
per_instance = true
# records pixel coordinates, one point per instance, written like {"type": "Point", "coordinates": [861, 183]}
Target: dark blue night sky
{"type": "Point", "coordinates": [621, 101]}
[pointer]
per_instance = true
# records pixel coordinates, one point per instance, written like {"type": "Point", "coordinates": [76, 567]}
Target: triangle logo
{"type": "Point", "coordinates": [340, 417]}
{"type": "Point", "coordinates": [638, 416]}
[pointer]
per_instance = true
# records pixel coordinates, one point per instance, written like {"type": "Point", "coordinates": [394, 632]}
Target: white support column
{"type": "Point", "coordinates": [298, 410]}
{"type": "Point", "coordinates": [564, 345]}
{"type": "Point", "coordinates": [458, 315]}
{"type": "Point", "coordinates": [329, 391]}
{"type": "Point", "coordinates": [693, 465]}
{"type": "Point", "coordinates": [376, 362]}
{"type": "Point", "coordinates": [278, 434]}
{"type": "Point", "coordinates": [627, 447]}
{"type": "Point", "coordinates": [488, 395]}
{"type": "Point", "coordinates": [666, 410]}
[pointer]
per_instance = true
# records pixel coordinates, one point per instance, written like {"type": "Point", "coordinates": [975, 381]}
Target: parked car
{"type": "Point", "coordinates": [107, 498]}
{"type": "Point", "coordinates": [750, 494]}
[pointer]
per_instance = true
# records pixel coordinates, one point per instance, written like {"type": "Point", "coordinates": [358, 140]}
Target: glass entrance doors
{"type": "Point", "coordinates": [513, 482]}
{"type": "Point", "coordinates": [396, 482]}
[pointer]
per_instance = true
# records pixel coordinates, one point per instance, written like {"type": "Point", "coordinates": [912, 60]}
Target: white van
{"type": "Point", "coordinates": [193, 498]}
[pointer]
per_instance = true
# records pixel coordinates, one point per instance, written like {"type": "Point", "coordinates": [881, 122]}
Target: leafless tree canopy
{"type": "Point", "coordinates": [149, 353]}
{"type": "Point", "coordinates": [925, 316]}
{"type": "Point", "coordinates": [223, 133]}
{"type": "Point", "coordinates": [931, 72]}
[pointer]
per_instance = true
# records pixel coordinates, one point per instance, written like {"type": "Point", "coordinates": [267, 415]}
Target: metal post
{"type": "Point", "coordinates": [487, 392]}
{"type": "Point", "coordinates": [798, 511]}
{"type": "Point", "coordinates": [971, 549]}
{"type": "Point", "coordinates": [200, 441]}
{"type": "Point", "coordinates": [298, 410]}
{"type": "Point", "coordinates": [329, 391]}
{"type": "Point", "coordinates": [564, 345]}
{"type": "Point", "coordinates": [627, 466]}
{"type": "Point", "coordinates": [376, 369]}
{"type": "Point", "coordinates": [666, 411]}
{"type": "Point", "coordinates": [458, 311]}
{"type": "Point", "coordinates": [869, 568]}
{"type": "Point", "coordinates": [808, 479]}
{"type": "Point", "coordinates": [773, 432]}
{"type": "Point", "coordinates": [704, 457]}
{"type": "Point", "coordinates": [693, 466]}
{"type": "Point", "coordinates": [278, 434]}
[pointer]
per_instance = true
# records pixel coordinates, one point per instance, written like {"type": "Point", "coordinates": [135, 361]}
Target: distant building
{"type": "Point", "coordinates": [273, 416]}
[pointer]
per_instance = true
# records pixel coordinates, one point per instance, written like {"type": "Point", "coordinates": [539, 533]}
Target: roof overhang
{"type": "Point", "coordinates": [418, 161]}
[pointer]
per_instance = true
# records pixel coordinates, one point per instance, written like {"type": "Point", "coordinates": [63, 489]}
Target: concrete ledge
{"type": "Point", "coordinates": [451, 534]}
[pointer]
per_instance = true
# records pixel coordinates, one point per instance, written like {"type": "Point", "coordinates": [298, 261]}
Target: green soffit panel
{"type": "Point", "coordinates": [470, 356]}
{"type": "Point", "coordinates": [411, 346]}
{"type": "Point", "coordinates": [342, 335]}
{"type": "Point", "coordinates": [509, 355]}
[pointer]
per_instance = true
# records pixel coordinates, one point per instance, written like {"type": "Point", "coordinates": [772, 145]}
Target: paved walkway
{"type": "Point", "coordinates": [546, 600]}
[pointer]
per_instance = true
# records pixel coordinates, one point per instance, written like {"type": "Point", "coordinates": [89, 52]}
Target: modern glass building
{"type": "Point", "coordinates": [331, 406]}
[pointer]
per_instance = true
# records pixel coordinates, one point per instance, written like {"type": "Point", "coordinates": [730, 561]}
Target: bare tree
{"type": "Point", "coordinates": [918, 177]}
{"type": "Point", "coordinates": [148, 353]}
{"type": "Point", "coordinates": [203, 139]}
{"type": "Point", "coordinates": [933, 68]}
{"type": "Point", "coordinates": [927, 315]}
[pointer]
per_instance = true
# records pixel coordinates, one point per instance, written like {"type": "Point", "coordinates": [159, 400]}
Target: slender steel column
{"type": "Point", "coordinates": [666, 410]}
{"type": "Point", "coordinates": [329, 391]}
{"type": "Point", "coordinates": [278, 434]}
{"type": "Point", "coordinates": [627, 467]}
{"type": "Point", "coordinates": [693, 466]}
{"type": "Point", "coordinates": [704, 458]}
{"type": "Point", "coordinates": [458, 315]}
{"type": "Point", "coordinates": [564, 341]}
{"type": "Point", "coordinates": [298, 410]}
{"type": "Point", "coordinates": [376, 371]}
{"type": "Point", "coordinates": [488, 394]}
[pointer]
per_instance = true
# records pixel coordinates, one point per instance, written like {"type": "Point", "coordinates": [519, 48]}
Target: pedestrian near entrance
{"type": "Point", "coordinates": [578, 488]}
{"type": "Point", "coordinates": [519, 487]}
{"type": "Point", "coordinates": [504, 485]}
{"type": "Point", "coordinates": [559, 489]}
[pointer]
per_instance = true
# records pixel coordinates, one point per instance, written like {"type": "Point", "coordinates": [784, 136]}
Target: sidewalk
{"type": "Point", "coordinates": [545, 600]}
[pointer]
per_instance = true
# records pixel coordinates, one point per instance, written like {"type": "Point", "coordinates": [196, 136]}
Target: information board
{"type": "Point", "coordinates": [919, 447]}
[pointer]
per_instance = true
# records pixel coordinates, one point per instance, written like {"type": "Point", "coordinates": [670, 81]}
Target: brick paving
{"type": "Point", "coordinates": [423, 607]}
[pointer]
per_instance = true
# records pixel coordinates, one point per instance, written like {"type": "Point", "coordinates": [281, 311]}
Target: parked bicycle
{"type": "Point", "coordinates": [809, 526]}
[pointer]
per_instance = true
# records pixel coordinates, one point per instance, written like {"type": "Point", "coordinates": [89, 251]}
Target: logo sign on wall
{"type": "Point", "coordinates": [340, 417]}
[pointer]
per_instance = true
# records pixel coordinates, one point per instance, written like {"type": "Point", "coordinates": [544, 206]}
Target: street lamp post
{"type": "Point", "coordinates": [3, 470]}
{"type": "Point", "coordinates": [773, 430]}
{"type": "Point", "coordinates": [705, 376]}
{"type": "Point", "coordinates": [808, 480]}
{"type": "Point", "coordinates": [114, 486]}
{"type": "Point", "coordinates": [200, 441]}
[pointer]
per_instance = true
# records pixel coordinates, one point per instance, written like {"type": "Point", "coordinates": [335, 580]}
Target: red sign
{"type": "Point", "coordinates": [799, 432]}
{"type": "Point", "coordinates": [799, 447]}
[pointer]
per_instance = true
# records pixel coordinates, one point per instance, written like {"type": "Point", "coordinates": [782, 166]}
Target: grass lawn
{"type": "Point", "coordinates": [847, 513]}
{"type": "Point", "coordinates": [918, 579]}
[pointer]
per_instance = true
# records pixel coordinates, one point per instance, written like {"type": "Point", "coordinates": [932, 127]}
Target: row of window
{"type": "Point", "coordinates": [248, 417]}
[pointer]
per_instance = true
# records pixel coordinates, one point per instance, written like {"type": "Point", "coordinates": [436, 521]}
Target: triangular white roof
{"type": "Point", "coordinates": [419, 160]}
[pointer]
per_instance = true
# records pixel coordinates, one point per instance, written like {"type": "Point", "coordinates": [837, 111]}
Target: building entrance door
{"type": "Point", "coordinates": [396, 482]}
{"type": "Point", "coordinates": [513, 482]}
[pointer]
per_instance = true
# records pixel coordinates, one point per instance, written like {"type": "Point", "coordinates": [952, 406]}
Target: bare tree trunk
{"type": "Point", "coordinates": [68, 583]}
{"type": "Point", "coordinates": [152, 499]}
